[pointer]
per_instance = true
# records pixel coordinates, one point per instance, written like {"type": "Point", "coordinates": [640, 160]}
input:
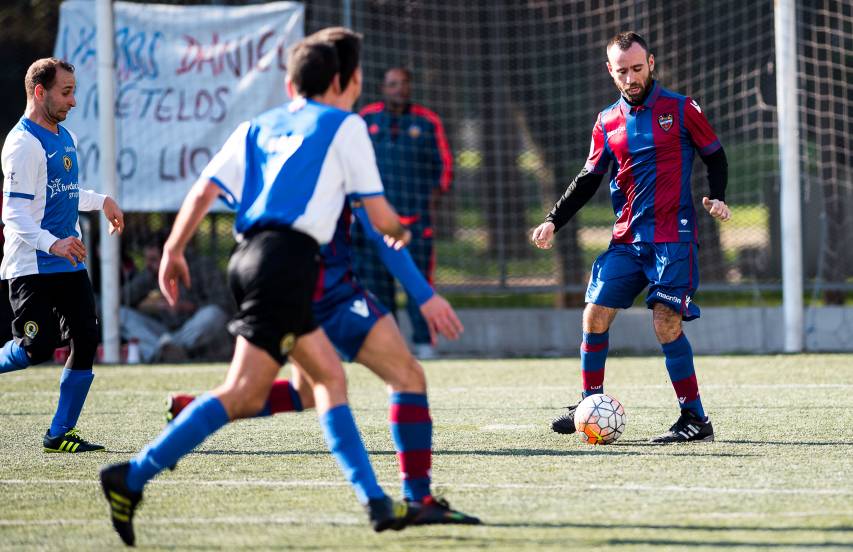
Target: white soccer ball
{"type": "Point", "coordinates": [600, 419]}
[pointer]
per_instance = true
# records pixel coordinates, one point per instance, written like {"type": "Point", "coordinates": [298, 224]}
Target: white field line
{"type": "Point", "coordinates": [506, 486]}
{"type": "Point", "coordinates": [107, 392]}
{"type": "Point", "coordinates": [735, 386]}
{"type": "Point", "coordinates": [484, 389]}
{"type": "Point", "coordinates": [344, 519]}
{"type": "Point", "coordinates": [226, 520]}
{"type": "Point", "coordinates": [508, 427]}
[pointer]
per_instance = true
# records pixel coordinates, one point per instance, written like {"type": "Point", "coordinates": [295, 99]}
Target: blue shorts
{"type": "Point", "coordinates": [669, 269]}
{"type": "Point", "coordinates": [347, 315]}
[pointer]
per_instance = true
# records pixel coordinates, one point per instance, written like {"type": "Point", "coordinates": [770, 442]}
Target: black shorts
{"type": "Point", "coordinates": [272, 275]}
{"type": "Point", "coordinates": [51, 309]}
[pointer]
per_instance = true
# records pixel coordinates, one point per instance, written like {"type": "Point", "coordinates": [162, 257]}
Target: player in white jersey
{"type": "Point", "coordinates": [49, 288]}
{"type": "Point", "coordinates": [288, 171]}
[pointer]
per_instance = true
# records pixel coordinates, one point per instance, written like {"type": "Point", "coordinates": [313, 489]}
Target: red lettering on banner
{"type": "Point", "coordinates": [239, 57]}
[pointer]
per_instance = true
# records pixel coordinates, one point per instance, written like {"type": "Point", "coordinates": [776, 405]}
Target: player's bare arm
{"type": "Point", "coordinates": [441, 318]}
{"type": "Point", "coordinates": [717, 209]}
{"type": "Point", "coordinates": [173, 267]}
{"type": "Point", "coordinates": [114, 215]}
{"type": "Point", "coordinates": [384, 218]}
{"type": "Point", "coordinates": [71, 248]}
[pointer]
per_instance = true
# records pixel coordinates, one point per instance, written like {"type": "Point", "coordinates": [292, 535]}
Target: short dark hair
{"type": "Point", "coordinates": [348, 45]}
{"type": "Point", "coordinates": [43, 72]}
{"type": "Point", "coordinates": [401, 69]}
{"type": "Point", "coordinates": [312, 66]}
{"type": "Point", "coordinates": [625, 39]}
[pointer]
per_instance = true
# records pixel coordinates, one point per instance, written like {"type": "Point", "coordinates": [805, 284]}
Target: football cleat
{"type": "Point", "coordinates": [176, 403]}
{"type": "Point", "coordinates": [565, 423]}
{"type": "Point", "coordinates": [69, 442]}
{"type": "Point", "coordinates": [435, 510]}
{"type": "Point", "coordinates": [687, 428]}
{"type": "Point", "coordinates": [385, 513]}
{"type": "Point", "coordinates": [123, 502]}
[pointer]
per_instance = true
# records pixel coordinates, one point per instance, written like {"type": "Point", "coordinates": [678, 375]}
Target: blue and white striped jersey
{"type": "Point", "coordinates": [294, 166]}
{"type": "Point", "coordinates": [41, 199]}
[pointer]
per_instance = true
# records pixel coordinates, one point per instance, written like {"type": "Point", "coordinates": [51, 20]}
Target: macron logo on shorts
{"type": "Point", "coordinates": [672, 298]}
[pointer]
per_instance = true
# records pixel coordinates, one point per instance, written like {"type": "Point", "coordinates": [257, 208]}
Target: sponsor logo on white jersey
{"type": "Point", "coordinates": [56, 186]}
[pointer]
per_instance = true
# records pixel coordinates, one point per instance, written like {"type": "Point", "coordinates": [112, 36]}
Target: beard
{"type": "Point", "coordinates": [636, 91]}
{"type": "Point", "coordinates": [55, 113]}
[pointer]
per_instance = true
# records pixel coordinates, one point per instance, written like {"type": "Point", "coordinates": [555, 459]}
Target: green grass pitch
{"type": "Point", "coordinates": [779, 476]}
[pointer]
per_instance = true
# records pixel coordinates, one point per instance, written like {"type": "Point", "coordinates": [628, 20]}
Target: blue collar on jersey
{"type": "Point", "coordinates": [648, 104]}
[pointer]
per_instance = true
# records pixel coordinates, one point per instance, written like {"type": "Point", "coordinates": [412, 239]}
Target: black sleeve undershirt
{"type": "Point", "coordinates": [585, 184]}
{"type": "Point", "coordinates": [718, 173]}
{"type": "Point", "coordinates": [578, 192]}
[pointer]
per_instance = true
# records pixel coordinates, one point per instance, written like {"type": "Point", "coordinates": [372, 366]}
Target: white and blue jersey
{"type": "Point", "coordinates": [41, 199]}
{"type": "Point", "coordinates": [293, 166]}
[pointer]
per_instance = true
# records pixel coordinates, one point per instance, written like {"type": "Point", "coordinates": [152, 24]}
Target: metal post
{"type": "Point", "coordinates": [346, 8]}
{"type": "Point", "coordinates": [789, 165]}
{"type": "Point", "coordinates": [107, 169]}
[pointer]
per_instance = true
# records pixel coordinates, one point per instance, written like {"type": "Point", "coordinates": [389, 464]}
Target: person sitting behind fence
{"type": "Point", "coordinates": [194, 328]}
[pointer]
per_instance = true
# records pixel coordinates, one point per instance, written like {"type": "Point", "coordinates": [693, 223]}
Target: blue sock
{"type": "Point", "coordinates": [73, 388]}
{"type": "Point", "coordinates": [346, 446]}
{"type": "Point", "coordinates": [13, 357]}
{"type": "Point", "coordinates": [593, 356]}
{"type": "Point", "coordinates": [679, 364]}
{"type": "Point", "coordinates": [203, 417]}
{"type": "Point", "coordinates": [411, 430]}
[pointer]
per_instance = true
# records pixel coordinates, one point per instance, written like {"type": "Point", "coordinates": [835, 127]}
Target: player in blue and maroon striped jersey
{"type": "Point", "coordinates": [650, 137]}
{"type": "Point", "coordinates": [362, 330]}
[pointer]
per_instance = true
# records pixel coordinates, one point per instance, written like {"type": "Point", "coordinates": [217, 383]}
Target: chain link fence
{"type": "Point", "coordinates": [517, 86]}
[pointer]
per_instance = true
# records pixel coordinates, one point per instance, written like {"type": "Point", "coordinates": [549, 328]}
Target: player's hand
{"type": "Point", "coordinates": [441, 319]}
{"type": "Point", "coordinates": [71, 248]}
{"type": "Point", "coordinates": [173, 271]}
{"type": "Point", "coordinates": [114, 215]}
{"type": "Point", "coordinates": [543, 235]}
{"type": "Point", "coordinates": [398, 243]}
{"type": "Point", "coordinates": [717, 209]}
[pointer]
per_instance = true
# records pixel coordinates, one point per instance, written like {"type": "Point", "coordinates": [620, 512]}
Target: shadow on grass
{"type": "Point", "coordinates": [727, 442]}
{"type": "Point", "coordinates": [658, 527]}
{"type": "Point", "coordinates": [678, 544]}
{"type": "Point", "coordinates": [610, 450]}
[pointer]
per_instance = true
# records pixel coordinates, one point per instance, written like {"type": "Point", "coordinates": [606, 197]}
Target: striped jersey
{"type": "Point", "coordinates": [41, 200]}
{"type": "Point", "coordinates": [294, 166]}
{"type": "Point", "coordinates": [336, 278]}
{"type": "Point", "coordinates": [652, 146]}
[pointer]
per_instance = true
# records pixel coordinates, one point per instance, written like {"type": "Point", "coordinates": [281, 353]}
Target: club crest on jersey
{"type": "Point", "coordinates": [414, 131]}
{"type": "Point", "coordinates": [67, 163]}
{"type": "Point", "coordinates": [665, 121]}
{"type": "Point", "coordinates": [287, 343]}
{"type": "Point", "coordinates": [31, 329]}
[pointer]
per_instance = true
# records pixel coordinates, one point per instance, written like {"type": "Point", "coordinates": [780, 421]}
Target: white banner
{"type": "Point", "coordinates": [186, 76]}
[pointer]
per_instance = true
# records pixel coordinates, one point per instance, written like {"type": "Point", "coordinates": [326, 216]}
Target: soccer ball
{"type": "Point", "coordinates": [600, 419]}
